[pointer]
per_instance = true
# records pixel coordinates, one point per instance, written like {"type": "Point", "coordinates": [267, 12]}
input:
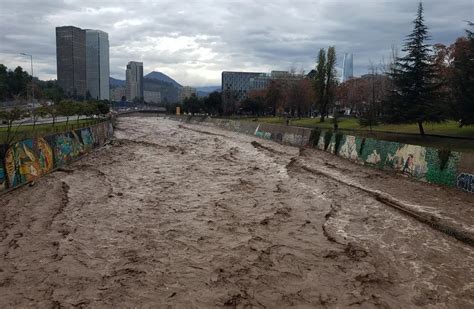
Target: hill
{"type": "Point", "coordinates": [114, 83]}
{"type": "Point", "coordinates": [162, 77]}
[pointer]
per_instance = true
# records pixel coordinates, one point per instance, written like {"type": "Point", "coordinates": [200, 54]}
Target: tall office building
{"type": "Point", "coordinates": [134, 80]}
{"type": "Point", "coordinates": [71, 60]}
{"type": "Point", "coordinates": [347, 67]}
{"type": "Point", "coordinates": [97, 64]}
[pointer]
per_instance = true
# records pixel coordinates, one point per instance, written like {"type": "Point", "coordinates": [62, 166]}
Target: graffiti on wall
{"type": "Point", "coordinates": [465, 182]}
{"type": "Point", "coordinates": [410, 160]}
{"type": "Point", "coordinates": [67, 146]}
{"type": "Point", "coordinates": [2, 178]}
{"type": "Point", "coordinates": [348, 149]}
{"type": "Point", "coordinates": [27, 160]}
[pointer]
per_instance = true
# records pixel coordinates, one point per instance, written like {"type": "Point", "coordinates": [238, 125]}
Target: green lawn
{"type": "Point", "coordinates": [448, 128]}
{"type": "Point", "coordinates": [26, 131]}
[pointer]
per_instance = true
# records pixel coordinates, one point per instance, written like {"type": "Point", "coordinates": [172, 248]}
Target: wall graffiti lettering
{"type": "Point", "coordinates": [465, 182]}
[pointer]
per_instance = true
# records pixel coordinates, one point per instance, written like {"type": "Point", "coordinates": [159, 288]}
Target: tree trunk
{"type": "Point", "coordinates": [420, 126]}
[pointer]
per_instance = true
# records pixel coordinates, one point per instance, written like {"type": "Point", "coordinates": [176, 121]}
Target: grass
{"type": "Point", "coordinates": [448, 128]}
{"type": "Point", "coordinates": [448, 135]}
{"type": "Point", "coordinates": [26, 131]}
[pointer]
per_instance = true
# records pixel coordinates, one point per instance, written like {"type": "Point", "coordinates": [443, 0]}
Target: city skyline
{"type": "Point", "coordinates": [179, 42]}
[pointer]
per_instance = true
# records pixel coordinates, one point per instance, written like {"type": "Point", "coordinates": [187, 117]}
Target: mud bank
{"type": "Point", "coordinates": [199, 216]}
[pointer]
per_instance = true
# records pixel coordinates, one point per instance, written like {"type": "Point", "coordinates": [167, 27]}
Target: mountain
{"type": "Point", "coordinates": [208, 89]}
{"type": "Point", "coordinates": [169, 92]}
{"type": "Point", "coordinates": [162, 77]}
{"type": "Point", "coordinates": [114, 83]}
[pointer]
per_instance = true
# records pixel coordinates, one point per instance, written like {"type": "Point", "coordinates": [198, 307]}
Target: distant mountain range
{"type": "Point", "coordinates": [168, 87]}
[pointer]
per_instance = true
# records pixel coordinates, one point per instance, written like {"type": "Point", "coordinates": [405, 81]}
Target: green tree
{"type": "Point", "coordinates": [192, 104]}
{"type": "Point", "coordinates": [320, 81]}
{"type": "Point", "coordinates": [102, 107]}
{"type": "Point", "coordinates": [4, 89]}
{"type": "Point", "coordinates": [213, 103]}
{"type": "Point", "coordinates": [330, 84]}
{"type": "Point", "coordinates": [9, 117]}
{"type": "Point", "coordinates": [413, 99]}
{"type": "Point", "coordinates": [66, 108]}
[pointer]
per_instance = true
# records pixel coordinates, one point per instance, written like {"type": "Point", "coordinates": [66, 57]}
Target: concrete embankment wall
{"type": "Point", "coordinates": [26, 160]}
{"type": "Point", "coordinates": [439, 166]}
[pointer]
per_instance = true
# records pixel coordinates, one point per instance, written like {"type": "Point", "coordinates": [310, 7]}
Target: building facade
{"type": "Point", "coordinates": [237, 85]}
{"type": "Point", "coordinates": [116, 94]}
{"type": "Point", "coordinates": [347, 67]}
{"type": "Point", "coordinates": [71, 60]}
{"type": "Point", "coordinates": [134, 80]}
{"type": "Point", "coordinates": [97, 64]}
{"type": "Point", "coordinates": [186, 92]}
{"type": "Point", "coordinates": [152, 97]}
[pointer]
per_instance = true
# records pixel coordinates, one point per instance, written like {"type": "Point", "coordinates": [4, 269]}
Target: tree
{"type": "Point", "coordinates": [67, 109]}
{"type": "Point", "coordinates": [325, 80]}
{"type": "Point", "coordinates": [414, 98]}
{"type": "Point", "coordinates": [192, 104]}
{"type": "Point", "coordinates": [331, 83]}
{"type": "Point", "coordinates": [213, 103]}
{"type": "Point", "coordinates": [9, 117]}
{"type": "Point", "coordinates": [36, 113]}
{"type": "Point", "coordinates": [462, 79]}
{"type": "Point", "coordinates": [320, 80]}
{"type": "Point", "coordinates": [275, 96]}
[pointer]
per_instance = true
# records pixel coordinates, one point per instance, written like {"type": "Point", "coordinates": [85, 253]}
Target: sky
{"type": "Point", "coordinates": [194, 41]}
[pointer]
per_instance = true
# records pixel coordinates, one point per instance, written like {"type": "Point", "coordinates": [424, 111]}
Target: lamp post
{"type": "Point", "coordinates": [32, 83]}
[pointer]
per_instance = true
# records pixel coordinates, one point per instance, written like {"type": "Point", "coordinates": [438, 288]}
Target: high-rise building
{"type": "Point", "coordinates": [97, 64]}
{"type": "Point", "coordinates": [116, 94]}
{"type": "Point", "coordinates": [152, 97]}
{"type": "Point", "coordinates": [134, 80]}
{"type": "Point", "coordinates": [186, 92]}
{"type": "Point", "coordinates": [71, 60]}
{"type": "Point", "coordinates": [347, 67]}
{"type": "Point", "coordinates": [237, 85]}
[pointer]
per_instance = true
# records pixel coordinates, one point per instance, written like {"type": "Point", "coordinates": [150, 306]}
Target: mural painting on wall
{"type": "Point", "coordinates": [410, 159]}
{"type": "Point", "coordinates": [465, 182]}
{"type": "Point", "coordinates": [348, 149]}
{"type": "Point", "coordinates": [2, 178]}
{"type": "Point", "coordinates": [86, 138]}
{"type": "Point", "coordinates": [67, 147]}
{"type": "Point", "coordinates": [27, 160]}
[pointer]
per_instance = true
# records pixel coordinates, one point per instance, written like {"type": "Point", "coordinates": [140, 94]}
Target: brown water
{"type": "Point", "coordinates": [192, 216]}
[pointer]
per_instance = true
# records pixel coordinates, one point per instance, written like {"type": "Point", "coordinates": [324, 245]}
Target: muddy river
{"type": "Point", "coordinates": [193, 216]}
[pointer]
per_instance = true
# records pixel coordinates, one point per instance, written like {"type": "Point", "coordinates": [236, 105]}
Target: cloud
{"type": "Point", "coordinates": [194, 41]}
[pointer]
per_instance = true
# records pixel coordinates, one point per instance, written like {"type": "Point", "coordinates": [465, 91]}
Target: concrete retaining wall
{"type": "Point", "coordinates": [29, 159]}
{"type": "Point", "coordinates": [439, 166]}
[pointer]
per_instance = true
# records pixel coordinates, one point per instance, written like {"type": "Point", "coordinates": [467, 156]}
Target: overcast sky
{"type": "Point", "coordinates": [194, 41]}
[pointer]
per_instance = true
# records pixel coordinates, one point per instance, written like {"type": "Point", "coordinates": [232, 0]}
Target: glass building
{"type": "Point", "coordinates": [97, 64]}
{"type": "Point", "coordinates": [347, 68]}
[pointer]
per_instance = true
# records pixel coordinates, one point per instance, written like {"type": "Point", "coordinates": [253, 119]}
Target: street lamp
{"type": "Point", "coordinates": [32, 83]}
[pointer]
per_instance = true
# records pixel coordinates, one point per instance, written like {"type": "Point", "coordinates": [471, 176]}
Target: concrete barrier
{"type": "Point", "coordinates": [29, 159]}
{"type": "Point", "coordinates": [439, 166]}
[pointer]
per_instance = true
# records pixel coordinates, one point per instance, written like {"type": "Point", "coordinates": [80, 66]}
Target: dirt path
{"type": "Point", "coordinates": [186, 215]}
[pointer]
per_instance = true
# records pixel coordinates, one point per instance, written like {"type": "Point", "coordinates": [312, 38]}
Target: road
{"type": "Point", "coordinates": [194, 216]}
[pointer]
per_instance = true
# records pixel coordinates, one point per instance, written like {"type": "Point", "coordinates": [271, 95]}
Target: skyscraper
{"type": "Point", "coordinates": [134, 80]}
{"type": "Point", "coordinates": [347, 68]}
{"type": "Point", "coordinates": [97, 64]}
{"type": "Point", "coordinates": [71, 60]}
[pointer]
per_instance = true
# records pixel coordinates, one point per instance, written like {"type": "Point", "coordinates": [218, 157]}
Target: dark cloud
{"type": "Point", "coordinates": [194, 41]}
